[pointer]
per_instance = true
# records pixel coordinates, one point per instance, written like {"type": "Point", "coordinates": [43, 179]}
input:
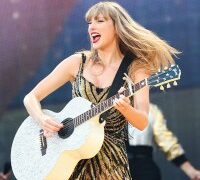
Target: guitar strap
{"type": "Point", "coordinates": [118, 80]}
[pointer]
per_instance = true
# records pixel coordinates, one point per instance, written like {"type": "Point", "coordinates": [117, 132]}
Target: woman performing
{"type": "Point", "coordinates": [113, 34]}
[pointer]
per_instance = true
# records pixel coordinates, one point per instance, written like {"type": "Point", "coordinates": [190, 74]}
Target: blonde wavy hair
{"type": "Point", "coordinates": [152, 52]}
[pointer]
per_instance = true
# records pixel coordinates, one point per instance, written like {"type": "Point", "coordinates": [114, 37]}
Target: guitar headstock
{"type": "Point", "coordinates": [166, 76]}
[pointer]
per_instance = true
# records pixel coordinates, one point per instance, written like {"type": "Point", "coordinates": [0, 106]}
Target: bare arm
{"type": "Point", "coordinates": [190, 171]}
{"type": "Point", "coordinates": [64, 72]}
{"type": "Point", "coordinates": [137, 115]}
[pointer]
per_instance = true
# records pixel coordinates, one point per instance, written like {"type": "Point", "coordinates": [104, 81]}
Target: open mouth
{"type": "Point", "coordinates": [95, 37]}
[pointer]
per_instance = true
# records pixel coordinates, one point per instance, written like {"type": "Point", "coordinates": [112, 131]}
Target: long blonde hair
{"type": "Point", "coordinates": [152, 52]}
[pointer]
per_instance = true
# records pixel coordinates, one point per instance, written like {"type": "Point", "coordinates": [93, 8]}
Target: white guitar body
{"type": "Point", "coordinates": [62, 155]}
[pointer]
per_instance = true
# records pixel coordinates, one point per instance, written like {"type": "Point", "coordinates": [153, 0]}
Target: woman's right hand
{"type": "Point", "coordinates": [49, 125]}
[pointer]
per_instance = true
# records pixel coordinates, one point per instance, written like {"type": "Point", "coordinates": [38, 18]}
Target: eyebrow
{"type": "Point", "coordinates": [98, 17]}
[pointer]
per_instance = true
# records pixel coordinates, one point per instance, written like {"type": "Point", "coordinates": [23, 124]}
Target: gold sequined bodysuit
{"type": "Point", "coordinates": [111, 162]}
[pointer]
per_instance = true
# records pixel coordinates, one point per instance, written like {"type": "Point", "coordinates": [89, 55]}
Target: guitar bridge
{"type": "Point", "coordinates": [43, 142]}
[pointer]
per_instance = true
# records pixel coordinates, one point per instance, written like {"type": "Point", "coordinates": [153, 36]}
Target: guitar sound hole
{"type": "Point", "coordinates": [68, 128]}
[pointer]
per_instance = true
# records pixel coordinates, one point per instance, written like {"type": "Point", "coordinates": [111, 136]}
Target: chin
{"type": "Point", "coordinates": [96, 47]}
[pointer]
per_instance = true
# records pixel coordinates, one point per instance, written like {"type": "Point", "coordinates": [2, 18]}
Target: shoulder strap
{"type": "Point", "coordinates": [83, 57]}
{"type": "Point", "coordinates": [118, 80]}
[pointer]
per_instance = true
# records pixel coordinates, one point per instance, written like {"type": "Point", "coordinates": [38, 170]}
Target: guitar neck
{"type": "Point", "coordinates": [107, 104]}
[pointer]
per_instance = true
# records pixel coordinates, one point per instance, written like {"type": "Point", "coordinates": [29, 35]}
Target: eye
{"type": "Point", "coordinates": [100, 20]}
{"type": "Point", "coordinates": [89, 22]}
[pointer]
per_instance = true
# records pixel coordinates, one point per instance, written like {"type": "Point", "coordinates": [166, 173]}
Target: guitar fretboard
{"type": "Point", "coordinates": [106, 104]}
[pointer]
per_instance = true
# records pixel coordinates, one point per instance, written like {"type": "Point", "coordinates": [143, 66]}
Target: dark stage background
{"type": "Point", "coordinates": [36, 35]}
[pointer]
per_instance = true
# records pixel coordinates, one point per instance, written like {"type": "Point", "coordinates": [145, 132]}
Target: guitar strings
{"type": "Point", "coordinates": [68, 125]}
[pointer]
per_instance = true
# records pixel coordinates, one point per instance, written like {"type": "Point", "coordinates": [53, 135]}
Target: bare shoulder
{"type": "Point", "coordinates": [140, 74]}
{"type": "Point", "coordinates": [73, 59]}
{"type": "Point", "coordinates": [72, 64]}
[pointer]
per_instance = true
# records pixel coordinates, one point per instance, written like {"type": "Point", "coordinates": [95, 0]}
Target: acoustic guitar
{"type": "Point", "coordinates": [35, 157]}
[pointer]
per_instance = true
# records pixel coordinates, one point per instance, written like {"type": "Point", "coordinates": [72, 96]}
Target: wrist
{"type": "Point", "coordinates": [137, 118]}
{"type": "Point", "coordinates": [179, 160]}
{"type": "Point", "coordinates": [41, 117]}
{"type": "Point", "coordinates": [187, 168]}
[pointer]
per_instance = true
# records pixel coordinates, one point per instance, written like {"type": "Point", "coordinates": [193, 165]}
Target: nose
{"type": "Point", "coordinates": [91, 26]}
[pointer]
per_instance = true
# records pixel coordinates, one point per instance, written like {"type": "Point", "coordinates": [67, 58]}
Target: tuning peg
{"type": "Point", "coordinates": [168, 85]}
{"type": "Point", "coordinates": [175, 83]}
{"type": "Point", "coordinates": [162, 88]}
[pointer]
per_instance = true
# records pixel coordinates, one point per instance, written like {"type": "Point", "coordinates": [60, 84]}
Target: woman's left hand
{"type": "Point", "coordinates": [122, 103]}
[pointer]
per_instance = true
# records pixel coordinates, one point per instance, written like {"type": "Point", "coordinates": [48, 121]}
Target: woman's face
{"type": "Point", "coordinates": [102, 32]}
